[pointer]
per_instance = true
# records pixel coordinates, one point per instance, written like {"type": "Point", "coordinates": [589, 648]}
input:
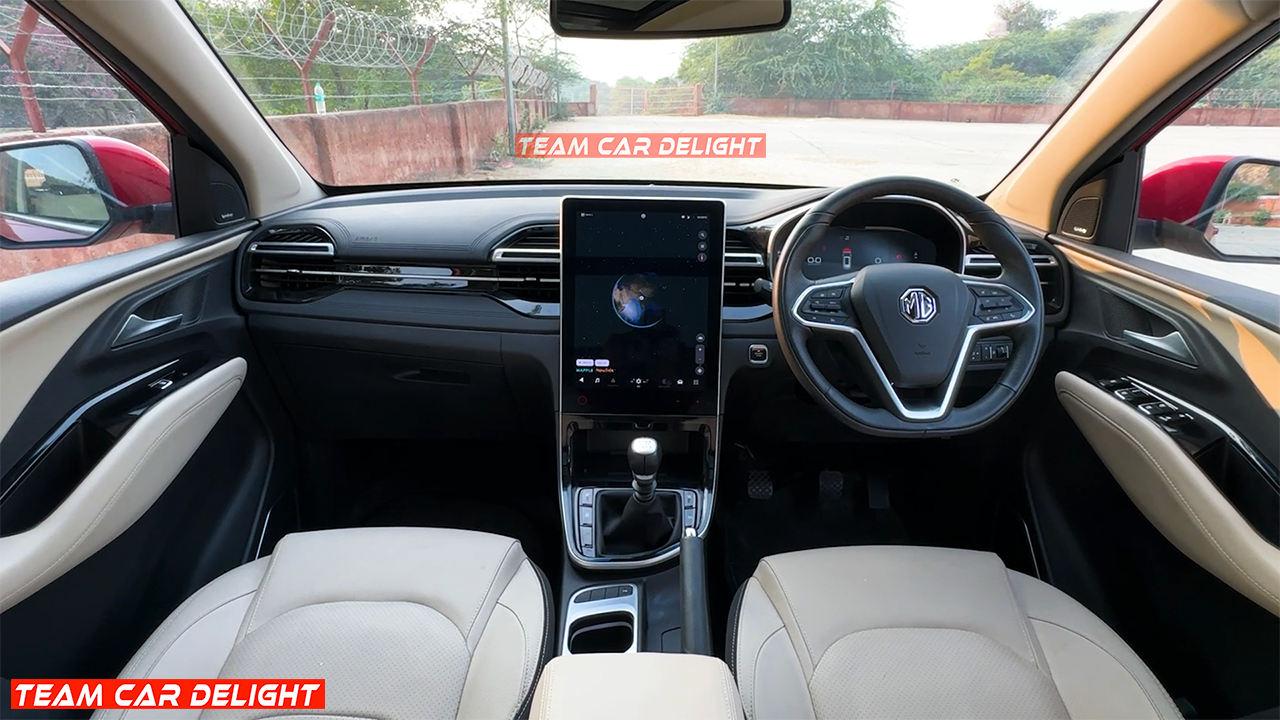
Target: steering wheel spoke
{"type": "Point", "coordinates": [824, 308]}
{"type": "Point", "coordinates": [997, 307]}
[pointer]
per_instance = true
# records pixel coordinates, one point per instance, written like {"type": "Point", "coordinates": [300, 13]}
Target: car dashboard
{"type": "Point", "coordinates": [448, 298]}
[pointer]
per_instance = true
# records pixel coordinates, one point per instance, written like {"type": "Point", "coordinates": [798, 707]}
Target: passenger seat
{"type": "Point", "coordinates": [400, 622]}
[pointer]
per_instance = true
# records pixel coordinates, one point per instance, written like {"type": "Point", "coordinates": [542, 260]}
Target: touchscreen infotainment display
{"type": "Point", "coordinates": [641, 283]}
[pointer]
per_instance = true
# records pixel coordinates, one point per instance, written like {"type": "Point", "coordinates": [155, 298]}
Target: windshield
{"type": "Point", "coordinates": [372, 92]}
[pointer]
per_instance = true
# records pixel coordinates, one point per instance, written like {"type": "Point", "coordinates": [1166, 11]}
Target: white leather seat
{"type": "Point", "coordinates": [401, 622]}
{"type": "Point", "coordinates": [907, 632]}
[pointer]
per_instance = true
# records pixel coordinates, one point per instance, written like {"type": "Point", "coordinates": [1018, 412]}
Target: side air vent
{"type": "Point", "coordinates": [534, 244]}
{"type": "Point", "coordinates": [290, 264]}
{"type": "Point", "coordinates": [981, 263]}
{"type": "Point", "coordinates": [743, 265]}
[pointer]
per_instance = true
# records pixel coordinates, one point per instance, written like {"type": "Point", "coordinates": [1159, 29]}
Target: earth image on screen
{"type": "Point", "coordinates": [634, 300]}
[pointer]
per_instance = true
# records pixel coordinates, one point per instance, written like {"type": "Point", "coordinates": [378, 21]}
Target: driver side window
{"type": "Point", "coordinates": [1210, 194]}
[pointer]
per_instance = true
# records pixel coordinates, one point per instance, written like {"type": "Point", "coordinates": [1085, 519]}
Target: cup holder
{"type": "Point", "coordinates": [608, 633]}
{"type": "Point", "coordinates": [603, 619]}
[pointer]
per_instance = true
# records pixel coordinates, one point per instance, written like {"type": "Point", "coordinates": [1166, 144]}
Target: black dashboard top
{"type": "Point", "coordinates": [463, 224]}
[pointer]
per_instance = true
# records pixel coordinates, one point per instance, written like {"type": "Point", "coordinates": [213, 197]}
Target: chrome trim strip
{"type": "Point", "coordinates": [989, 260]}
{"type": "Point", "coordinates": [1259, 461]}
{"type": "Point", "coordinates": [926, 413]}
{"type": "Point", "coordinates": [531, 255]}
{"type": "Point", "coordinates": [741, 259]}
{"type": "Point", "coordinates": [266, 247]}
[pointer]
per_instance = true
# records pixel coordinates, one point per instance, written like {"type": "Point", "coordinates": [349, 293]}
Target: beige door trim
{"type": "Point", "coordinates": [123, 485]}
{"type": "Point", "coordinates": [1173, 492]}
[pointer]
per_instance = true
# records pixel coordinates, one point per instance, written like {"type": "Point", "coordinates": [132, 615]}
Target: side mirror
{"type": "Point", "coordinates": [667, 18]}
{"type": "Point", "coordinates": [76, 191]}
{"type": "Point", "coordinates": [1216, 207]}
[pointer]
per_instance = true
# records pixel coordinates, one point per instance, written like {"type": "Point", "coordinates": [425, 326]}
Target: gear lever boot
{"type": "Point", "coordinates": [642, 520]}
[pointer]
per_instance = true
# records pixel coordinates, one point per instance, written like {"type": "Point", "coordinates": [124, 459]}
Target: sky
{"type": "Point", "coordinates": [926, 23]}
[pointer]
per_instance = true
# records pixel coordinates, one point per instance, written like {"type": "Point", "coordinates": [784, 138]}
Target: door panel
{"type": "Point", "coordinates": [1174, 492]}
{"type": "Point", "coordinates": [29, 349]}
{"type": "Point", "coordinates": [133, 472]}
{"type": "Point", "coordinates": [1164, 519]}
{"type": "Point", "coordinates": [120, 487]}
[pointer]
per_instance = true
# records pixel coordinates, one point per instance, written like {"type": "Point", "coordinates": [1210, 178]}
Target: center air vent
{"type": "Point", "coordinates": [743, 265]}
{"type": "Point", "coordinates": [981, 263]}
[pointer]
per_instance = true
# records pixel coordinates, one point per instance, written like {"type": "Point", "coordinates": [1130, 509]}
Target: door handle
{"type": "Point", "coordinates": [139, 328]}
{"type": "Point", "coordinates": [1171, 346]}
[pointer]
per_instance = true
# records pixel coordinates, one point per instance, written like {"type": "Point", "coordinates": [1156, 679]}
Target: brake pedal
{"type": "Point", "coordinates": [830, 486]}
{"type": "Point", "coordinates": [759, 485]}
{"type": "Point", "coordinates": [878, 492]}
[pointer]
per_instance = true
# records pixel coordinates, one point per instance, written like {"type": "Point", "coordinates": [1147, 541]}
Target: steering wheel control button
{"type": "Point", "coordinates": [758, 355]}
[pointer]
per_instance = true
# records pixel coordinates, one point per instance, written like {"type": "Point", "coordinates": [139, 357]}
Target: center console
{"type": "Point", "coordinates": [641, 302]}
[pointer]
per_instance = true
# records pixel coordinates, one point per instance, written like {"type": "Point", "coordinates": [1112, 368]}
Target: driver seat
{"type": "Point", "coordinates": [883, 631]}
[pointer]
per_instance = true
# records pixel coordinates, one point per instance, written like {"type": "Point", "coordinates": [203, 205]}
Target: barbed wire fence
{"type": "Point", "coordinates": [278, 50]}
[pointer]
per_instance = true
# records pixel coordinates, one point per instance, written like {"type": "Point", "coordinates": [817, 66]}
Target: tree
{"type": "Point", "coordinates": [1024, 16]}
{"type": "Point", "coordinates": [830, 49]}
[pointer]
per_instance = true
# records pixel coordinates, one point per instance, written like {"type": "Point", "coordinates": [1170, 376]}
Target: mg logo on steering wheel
{"type": "Point", "coordinates": [918, 305]}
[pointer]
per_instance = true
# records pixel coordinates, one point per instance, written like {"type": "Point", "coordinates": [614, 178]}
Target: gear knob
{"type": "Point", "coordinates": [644, 455]}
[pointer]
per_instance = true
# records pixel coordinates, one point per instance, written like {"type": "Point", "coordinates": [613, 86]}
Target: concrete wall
{"type": "Point", "coordinates": [410, 144]}
{"type": "Point", "coordinates": [971, 112]}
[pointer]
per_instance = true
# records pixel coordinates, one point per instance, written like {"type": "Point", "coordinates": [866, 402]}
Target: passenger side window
{"type": "Point", "coordinates": [84, 167]}
{"type": "Point", "coordinates": [1210, 195]}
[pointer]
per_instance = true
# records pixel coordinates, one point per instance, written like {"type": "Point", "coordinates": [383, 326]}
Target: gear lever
{"type": "Point", "coordinates": [644, 519]}
{"type": "Point", "coordinates": [644, 455]}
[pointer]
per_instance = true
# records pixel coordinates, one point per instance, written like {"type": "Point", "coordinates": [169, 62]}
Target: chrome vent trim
{"type": "Point", "coordinates": [311, 240]}
{"type": "Point", "coordinates": [985, 260]}
{"type": "Point", "coordinates": [531, 244]}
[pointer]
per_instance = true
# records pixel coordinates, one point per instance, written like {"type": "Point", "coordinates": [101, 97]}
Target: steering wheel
{"type": "Point", "coordinates": [909, 327]}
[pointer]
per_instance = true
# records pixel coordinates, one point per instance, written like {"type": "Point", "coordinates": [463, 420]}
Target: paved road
{"type": "Point", "coordinates": [836, 151]}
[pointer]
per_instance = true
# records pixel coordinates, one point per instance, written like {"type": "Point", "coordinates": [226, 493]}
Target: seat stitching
{"type": "Point", "coordinates": [1173, 486]}
{"type": "Point", "coordinates": [724, 689]}
{"type": "Point", "coordinates": [262, 588]}
{"type": "Point", "coordinates": [1021, 615]}
{"type": "Point", "coordinates": [551, 687]}
{"type": "Point", "coordinates": [787, 599]}
{"type": "Point", "coordinates": [124, 485]}
{"type": "Point", "coordinates": [173, 618]}
{"type": "Point", "coordinates": [190, 625]}
{"type": "Point", "coordinates": [1121, 663]}
{"type": "Point", "coordinates": [489, 591]}
{"type": "Point", "coordinates": [524, 637]}
{"type": "Point", "coordinates": [755, 665]}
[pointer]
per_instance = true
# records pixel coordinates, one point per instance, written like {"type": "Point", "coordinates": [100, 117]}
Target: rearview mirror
{"type": "Point", "coordinates": [666, 18]}
{"type": "Point", "coordinates": [70, 192]}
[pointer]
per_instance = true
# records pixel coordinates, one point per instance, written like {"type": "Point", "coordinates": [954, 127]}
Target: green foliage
{"type": "Point", "coordinates": [831, 48]}
{"type": "Point", "coordinates": [1260, 217]}
{"type": "Point", "coordinates": [1023, 16]}
{"type": "Point", "coordinates": [1244, 192]}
